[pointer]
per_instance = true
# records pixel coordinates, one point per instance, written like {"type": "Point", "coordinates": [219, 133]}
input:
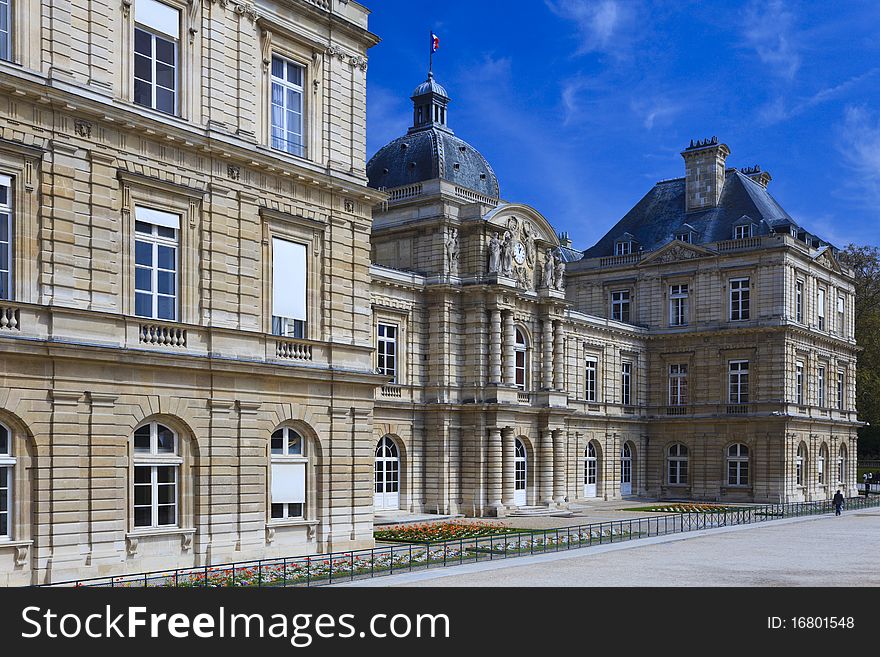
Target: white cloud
{"type": "Point", "coordinates": [602, 25]}
{"type": "Point", "coordinates": [769, 30]}
{"type": "Point", "coordinates": [859, 146]}
{"type": "Point", "coordinates": [779, 110]}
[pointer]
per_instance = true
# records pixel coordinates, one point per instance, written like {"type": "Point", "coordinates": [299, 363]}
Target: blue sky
{"type": "Point", "coordinates": [582, 105]}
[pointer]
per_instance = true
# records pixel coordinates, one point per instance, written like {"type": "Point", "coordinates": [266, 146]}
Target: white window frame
{"type": "Point", "coordinates": [7, 464]}
{"type": "Point", "coordinates": [841, 390]}
{"type": "Point", "coordinates": [684, 237]}
{"type": "Point", "coordinates": [520, 359]}
{"type": "Point", "coordinates": [677, 465]}
{"type": "Point", "coordinates": [738, 381]}
{"type": "Point", "coordinates": [841, 465]}
{"type": "Point", "coordinates": [740, 299]}
{"type": "Point", "coordinates": [155, 241]}
{"type": "Point", "coordinates": [623, 247]}
{"type": "Point", "coordinates": [7, 245]}
{"type": "Point", "coordinates": [799, 463]}
{"type": "Point", "coordinates": [289, 327]}
{"type": "Point", "coordinates": [386, 349]}
{"type": "Point", "coordinates": [820, 308]}
{"type": "Point", "coordinates": [742, 231]}
{"type": "Point", "coordinates": [626, 383]}
{"type": "Point", "coordinates": [591, 466]}
{"type": "Point", "coordinates": [153, 460]}
{"type": "Point", "coordinates": [6, 8]}
{"type": "Point", "coordinates": [678, 384]}
{"type": "Point", "coordinates": [821, 382]}
{"type": "Point", "coordinates": [621, 308]}
{"type": "Point", "coordinates": [591, 378]}
{"type": "Point", "coordinates": [799, 383]}
{"type": "Point", "coordinates": [820, 465]}
{"type": "Point", "coordinates": [285, 511]}
{"type": "Point", "coordinates": [679, 304]}
{"type": "Point", "coordinates": [841, 315]}
{"type": "Point", "coordinates": [286, 85]}
{"type": "Point", "coordinates": [155, 33]}
{"type": "Point", "coordinates": [738, 465]}
{"type": "Point", "coordinates": [799, 302]}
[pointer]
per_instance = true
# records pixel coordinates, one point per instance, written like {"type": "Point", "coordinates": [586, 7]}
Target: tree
{"type": "Point", "coordinates": [865, 261]}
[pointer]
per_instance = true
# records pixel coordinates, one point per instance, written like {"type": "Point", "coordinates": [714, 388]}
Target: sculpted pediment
{"type": "Point", "coordinates": [826, 259]}
{"type": "Point", "coordinates": [676, 251]}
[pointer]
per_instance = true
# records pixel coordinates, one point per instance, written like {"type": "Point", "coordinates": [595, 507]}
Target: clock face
{"type": "Point", "coordinates": [519, 253]}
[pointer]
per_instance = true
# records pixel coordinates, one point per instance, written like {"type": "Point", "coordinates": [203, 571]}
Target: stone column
{"type": "Point", "coordinates": [509, 354]}
{"type": "Point", "coordinates": [559, 357]}
{"type": "Point", "coordinates": [495, 347]}
{"type": "Point", "coordinates": [508, 490]}
{"type": "Point", "coordinates": [547, 457]}
{"type": "Point", "coordinates": [559, 470]}
{"type": "Point", "coordinates": [547, 364]}
{"type": "Point", "coordinates": [494, 468]}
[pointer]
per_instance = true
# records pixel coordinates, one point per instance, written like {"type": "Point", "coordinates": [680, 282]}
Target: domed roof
{"type": "Point", "coordinates": [430, 150]}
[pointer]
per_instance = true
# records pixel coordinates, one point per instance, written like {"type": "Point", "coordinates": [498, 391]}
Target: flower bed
{"type": "Point", "coordinates": [443, 531]}
{"type": "Point", "coordinates": [687, 507]}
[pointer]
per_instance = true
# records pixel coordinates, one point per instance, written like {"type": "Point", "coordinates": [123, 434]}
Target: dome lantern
{"type": "Point", "coordinates": [430, 102]}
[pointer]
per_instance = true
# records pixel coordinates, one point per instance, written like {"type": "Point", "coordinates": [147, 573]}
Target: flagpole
{"type": "Point", "coordinates": [431, 55]}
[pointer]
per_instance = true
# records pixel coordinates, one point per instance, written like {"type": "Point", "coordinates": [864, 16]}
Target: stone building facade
{"type": "Point", "coordinates": [224, 336]}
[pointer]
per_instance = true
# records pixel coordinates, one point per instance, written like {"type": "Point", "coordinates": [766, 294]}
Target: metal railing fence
{"type": "Point", "coordinates": [324, 569]}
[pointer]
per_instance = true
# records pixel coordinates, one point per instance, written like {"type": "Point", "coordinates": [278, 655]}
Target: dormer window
{"type": "Point", "coordinates": [622, 247]}
{"type": "Point", "coordinates": [794, 231]}
{"type": "Point", "coordinates": [741, 232]}
{"type": "Point", "coordinates": [684, 237]}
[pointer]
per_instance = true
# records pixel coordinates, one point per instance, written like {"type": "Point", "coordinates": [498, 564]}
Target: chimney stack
{"type": "Point", "coordinates": [761, 177]}
{"type": "Point", "coordinates": [704, 162]}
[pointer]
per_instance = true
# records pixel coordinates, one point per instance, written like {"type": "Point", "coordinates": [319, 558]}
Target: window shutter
{"type": "Point", "coordinates": [158, 16]}
{"type": "Point", "coordinates": [288, 279]}
{"type": "Point", "coordinates": [288, 483]}
{"type": "Point", "coordinates": [157, 217]}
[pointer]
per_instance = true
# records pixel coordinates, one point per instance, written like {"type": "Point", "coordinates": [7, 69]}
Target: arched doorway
{"type": "Point", "coordinates": [387, 475]}
{"type": "Point", "coordinates": [520, 478]}
{"type": "Point", "coordinates": [626, 470]}
{"type": "Point", "coordinates": [591, 470]}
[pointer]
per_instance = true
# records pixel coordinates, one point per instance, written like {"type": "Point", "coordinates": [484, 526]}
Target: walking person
{"type": "Point", "coordinates": [838, 502]}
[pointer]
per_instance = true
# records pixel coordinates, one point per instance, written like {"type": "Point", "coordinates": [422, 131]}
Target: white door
{"type": "Point", "coordinates": [590, 471]}
{"type": "Point", "coordinates": [387, 469]}
{"type": "Point", "coordinates": [519, 491]}
{"type": "Point", "coordinates": [626, 470]}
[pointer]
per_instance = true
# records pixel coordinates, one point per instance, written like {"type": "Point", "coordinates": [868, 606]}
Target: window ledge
{"type": "Point", "coordinates": [160, 531]}
{"type": "Point", "coordinates": [14, 544]}
{"type": "Point", "coordinates": [274, 524]}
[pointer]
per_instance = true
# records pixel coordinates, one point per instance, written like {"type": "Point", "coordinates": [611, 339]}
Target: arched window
{"type": "Point", "coordinates": [841, 465]}
{"type": "Point", "coordinates": [820, 464]}
{"type": "Point", "coordinates": [520, 474]}
{"type": "Point", "coordinates": [157, 464]}
{"type": "Point", "coordinates": [626, 469]}
{"type": "Point", "coordinates": [591, 470]}
{"type": "Point", "coordinates": [7, 477]}
{"type": "Point", "coordinates": [387, 475]}
{"type": "Point", "coordinates": [677, 461]}
{"type": "Point", "coordinates": [521, 349]}
{"type": "Point", "coordinates": [799, 463]}
{"type": "Point", "coordinates": [289, 460]}
{"type": "Point", "coordinates": [738, 465]}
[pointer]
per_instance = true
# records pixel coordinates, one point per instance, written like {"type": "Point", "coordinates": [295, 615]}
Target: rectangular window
{"type": "Point", "coordinates": [684, 237]}
{"type": "Point", "coordinates": [591, 366]}
{"type": "Point", "coordinates": [156, 42]}
{"type": "Point", "coordinates": [799, 383]}
{"type": "Point", "coordinates": [626, 383]}
{"type": "Point", "coordinates": [288, 288]}
{"type": "Point", "coordinates": [739, 299]}
{"type": "Point", "coordinates": [678, 385]}
{"type": "Point", "coordinates": [820, 382]}
{"type": "Point", "coordinates": [622, 248]}
{"type": "Point", "coordinates": [742, 232]}
{"type": "Point", "coordinates": [620, 306]}
{"type": "Point", "coordinates": [387, 350]}
{"type": "Point", "coordinates": [738, 382]}
{"type": "Point", "coordinates": [287, 106]}
{"type": "Point", "coordinates": [841, 380]}
{"type": "Point", "coordinates": [841, 316]}
{"type": "Point", "coordinates": [799, 302]}
{"type": "Point", "coordinates": [5, 31]}
{"type": "Point", "coordinates": [5, 237]}
{"type": "Point", "coordinates": [288, 490]}
{"type": "Point", "coordinates": [678, 305]}
{"type": "Point", "coordinates": [820, 308]}
{"type": "Point", "coordinates": [155, 263]}
{"type": "Point", "coordinates": [155, 495]}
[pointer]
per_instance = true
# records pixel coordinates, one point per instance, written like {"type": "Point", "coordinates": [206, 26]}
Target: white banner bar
{"type": "Point", "coordinates": [158, 16]}
{"type": "Point", "coordinates": [288, 279]}
{"type": "Point", "coordinates": [157, 217]}
{"type": "Point", "coordinates": [288, 483]}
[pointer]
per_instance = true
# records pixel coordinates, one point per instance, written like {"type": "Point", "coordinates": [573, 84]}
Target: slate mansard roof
{"type": "Point", "coordinates": [660, 216]}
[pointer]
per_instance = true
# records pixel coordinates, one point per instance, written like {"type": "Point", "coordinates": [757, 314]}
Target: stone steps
{"type": "Point", "coordinates": [538, 512]}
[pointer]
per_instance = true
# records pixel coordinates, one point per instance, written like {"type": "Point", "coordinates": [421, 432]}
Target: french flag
{"type": "Point", "coordinates": [435, 43]}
